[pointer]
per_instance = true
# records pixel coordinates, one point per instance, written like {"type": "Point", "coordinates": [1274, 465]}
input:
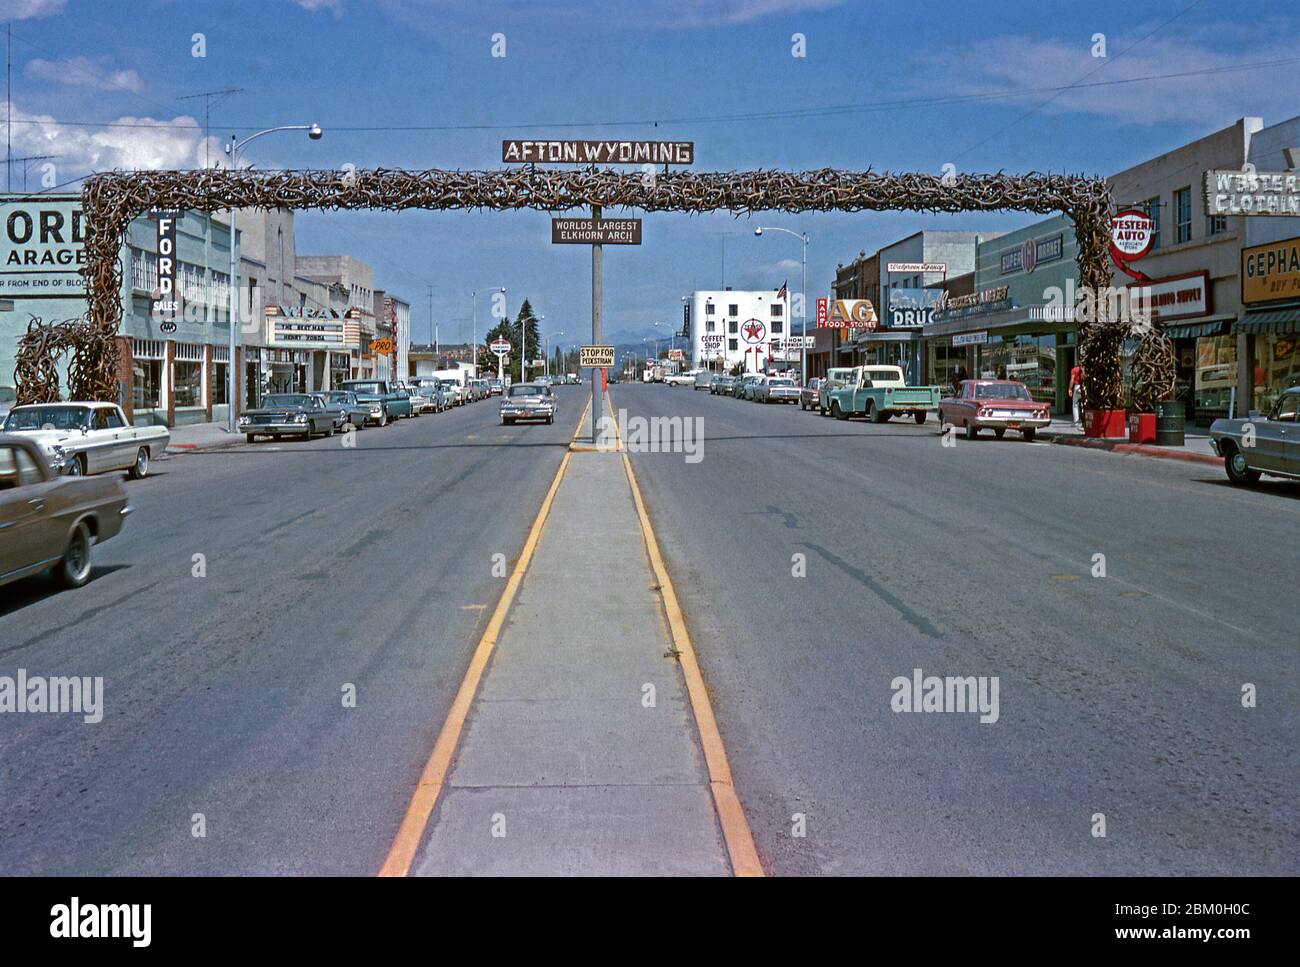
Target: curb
{"type": "Point", "coordinates": [1143, 449]}
{"type": "Point", "coordinates": [177, 449]}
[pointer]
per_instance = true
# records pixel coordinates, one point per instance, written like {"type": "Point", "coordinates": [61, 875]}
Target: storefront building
{"type": "Point", "coordinates": [1017, 322]}
{"type": "Point", "coordinates": [731, 328]}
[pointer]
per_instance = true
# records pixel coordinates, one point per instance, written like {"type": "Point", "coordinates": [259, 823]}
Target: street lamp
{"type": "Point", "coordinates": [803, 298]}
{"type": "Point", "coordinates": [473, 336]}
{"type": "Point", "coordinates": [233, 148]}
{"type": "Point", "coordinates": [547, 339]}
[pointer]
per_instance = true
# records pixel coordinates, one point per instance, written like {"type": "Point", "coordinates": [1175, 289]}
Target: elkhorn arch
{"type": "Point", "coordinates": [111, 199]}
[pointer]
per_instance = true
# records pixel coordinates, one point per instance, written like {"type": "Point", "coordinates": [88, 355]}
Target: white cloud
{"type": "Point", "coordinates": [312, 6]}
{"type": "Point", "coordinates": [1015, 62]}
{"type": "Point", "coordinates": [140, 143]}
{"type": "Point", "coordinates": [31, 9]}
{"type": "Point", "coordinates": [84, 72]}
{"type": "Point", "coordinates": [693, 13]}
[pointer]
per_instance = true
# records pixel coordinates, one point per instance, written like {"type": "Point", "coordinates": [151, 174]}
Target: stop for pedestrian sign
{"type": "Point", "coordinates": [500, 346]}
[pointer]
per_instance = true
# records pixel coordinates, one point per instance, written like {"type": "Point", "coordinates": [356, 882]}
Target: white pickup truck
{"type": "Point", "coordinates": [84, 438]}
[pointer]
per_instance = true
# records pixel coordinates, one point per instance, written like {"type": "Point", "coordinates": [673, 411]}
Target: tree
{"type": "Point", "coordinates": [525, 322]}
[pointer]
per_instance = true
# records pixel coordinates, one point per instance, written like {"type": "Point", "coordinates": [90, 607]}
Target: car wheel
{"type": "Point", "coordinates": [1238, 471]}
{"type": "Point", "coordinates": [971, 431]}
{"type": "Point", "coordinates": [250, 437]}
{"type": "Point", "coordinates": [879, 416]}
{"type": "Point", "coordinates": [140, 469]}
{"type": "Point", "coordinates": [550, 420]}
{"type": "Point", "coordinates": [837, 412]}
{"type": "Point", "coordinates": [383, 418]}
{"type": "Point", "coordinates": [919, 416]}
{"type": "Point", "coordinates": [73, 570]}
{"type": "Point", "coordinates": [1027, 434]}
{"type": "Point", "coordinates": [330, 432]}
{"type": "Point", "coordinates": [999, 433]}
{"type": "Point", "coordinates": [78, 466]}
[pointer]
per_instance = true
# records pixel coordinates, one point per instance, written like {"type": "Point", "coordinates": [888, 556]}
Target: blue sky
{"type": "Point", "coordinates": [701, 68]}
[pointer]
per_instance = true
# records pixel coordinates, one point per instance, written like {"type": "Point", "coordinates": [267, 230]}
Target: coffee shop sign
{"type": "Point", "coordinates": [1250, 192]}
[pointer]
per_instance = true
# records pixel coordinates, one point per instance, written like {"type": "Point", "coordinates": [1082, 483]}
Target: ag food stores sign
{"type": "Point", "coordinates": [44, 247]}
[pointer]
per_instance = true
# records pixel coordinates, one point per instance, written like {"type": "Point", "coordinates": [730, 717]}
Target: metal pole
{"type": "Point", "coordinates": [803, 319]}
{"type": "Point", "coordinates": [473, 336]}
{"type": "Point", "coordinates": [597, 282]}
{"type": "Point", "coordinates": [233, 318]}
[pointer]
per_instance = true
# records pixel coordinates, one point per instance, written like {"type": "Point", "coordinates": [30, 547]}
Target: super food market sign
{"type": "Point", "coordinates": [44, 247]}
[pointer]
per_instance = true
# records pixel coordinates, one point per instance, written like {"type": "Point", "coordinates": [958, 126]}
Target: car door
{"type": "Point", "coordinates": [27, 529]}
{"type": "Point", "coordinates": [1284, 429]}
{"type": "Point", "coordinates": [100, 442]}
{"type": "Point", "coordinates": [120, 453]}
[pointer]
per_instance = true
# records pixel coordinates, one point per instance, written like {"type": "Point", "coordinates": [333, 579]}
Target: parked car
{"type": "Point", "coordinates": [344, 408]}
{"type": "Point", "coordinates": [881, 392]}
{"type": "Point", "coordinates": [993, 404]}
{"type": "Point", "coordinates": [836, 377]}
{"type": "Point", "coordinates": [402, 390]}
{"type": "Point", "coordinates": [528, 401]}
{"type": "Point", "coordinates": [48, 521]}
{"type": "Point", "coordinates": [703, 378]}
{"type": "Point", "coordinates": [287, 414]}
{"type": "Point", "coordinates": [431, 386]}
{"type": "Point", "coordinates": [432, 396]}
{"type": "Point", "coordinates": [1276, 445]}
{"type": "Point", "coordinates": [741, 384]}
{"type": "Point", "coordinates": [393, 405]}
{"type": "Point", "coordinates": [809, 397]}
{"type": "Point", "coordinates": [455, 392]}
{"type": "Point", "coordinates": [720, 383]}
{"type": "Point", "coordinates": [8, 398]}
{"type": "Point", "coordinates": [777, 389]}
{"type": "Point", "coordinates": [495, 387]}
{"type": "Point", "coordinates": [86, 438]}
{"type": "Point", "coordinates": [750, 390]}
{"type": "Point", "coordinates": [680, 379]}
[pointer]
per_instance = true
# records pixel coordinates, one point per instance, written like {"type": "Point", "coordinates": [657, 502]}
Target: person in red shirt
{"type": "Point", "coordinates": [1076, 392]}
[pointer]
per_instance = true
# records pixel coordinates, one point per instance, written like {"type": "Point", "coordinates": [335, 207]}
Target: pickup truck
{"type": "Point", "coordinates": [392, 403]}
{"type": "Point", "coordinates": [881, 392]}
{"type": "Point", "coordinates": [84, 438]}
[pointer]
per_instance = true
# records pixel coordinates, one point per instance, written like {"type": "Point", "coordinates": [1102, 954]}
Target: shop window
{"type": "Point", "coordinates": [1276, 367]}
{"type": "Point", "coordinates": [220, 375]}
{"type": "Point", "coordinates": [1216, 224]}
{"type": "Point", "coordinates": [1183, 214]}
{"type": "Point", "coordinates": [187, 385]}
{"type": "Point", "coordinates": [1216, 375]}
{"type": "Point", "coordinates": [146, 384]}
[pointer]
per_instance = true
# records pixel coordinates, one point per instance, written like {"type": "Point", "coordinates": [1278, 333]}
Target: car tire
{"type": "Point", "coordinates": [879, 416]}
{"type": "Point", "coordinates": [920, 417]}
{"type": "Point", "coordinates": [78, 466]}
{"type": "Point", "coordinates": [383, 417]}
{"type": "Point", "coordinates": [1238, 472]}
{"type": "Point", "coordinates": [971, 431]}
{"type": "Point", "coordinates": [999, 432]}
{"type": "Point", "coordinates": [837, 412]}
{"type": "Point", "coordinates": [250, 437]}
{"type": "Point", "coordinates": [1027, 435]}
{"type": "Point", "coordinates": [550, 420]}
{"type": "Point", "coordinates": [140, 469]}
{"type": "Point", "coordinates": [330, 431]}
{"type": "Point", "coordinates": [73, 569]}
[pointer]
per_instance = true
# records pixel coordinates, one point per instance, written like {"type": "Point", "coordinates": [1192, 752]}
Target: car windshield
{"type": "Point", "coordinates": [286, 399]}
{"type": "Point", "coordinates": [366, 388]}
{"type": "Point", "coordinates": [1001, 391]}
{"type": "Point", "coordinates": [47, 418]}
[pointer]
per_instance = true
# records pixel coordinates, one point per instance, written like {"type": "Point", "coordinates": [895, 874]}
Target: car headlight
{"type": "Point", "coordinates": [243, 420]}
{"type": "Point", "coordinates": [376, 411]}
{"type": "Point", "coordinates": [58, 454]}
{"type": "Point", "coordinates": [300, 418]}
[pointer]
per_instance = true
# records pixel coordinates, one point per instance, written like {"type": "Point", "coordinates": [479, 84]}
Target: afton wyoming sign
{"type": "Point", "coordinates": [599, 152]}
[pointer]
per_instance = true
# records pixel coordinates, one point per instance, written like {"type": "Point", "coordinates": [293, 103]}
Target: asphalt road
{"type": "Point", "coordinates": [1118, 695]}
{"type": "Point", "coordinates": [325, 567]}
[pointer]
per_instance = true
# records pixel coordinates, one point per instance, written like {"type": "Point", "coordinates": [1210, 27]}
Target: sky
{"type": "Point", "coordinates": [785, 84]}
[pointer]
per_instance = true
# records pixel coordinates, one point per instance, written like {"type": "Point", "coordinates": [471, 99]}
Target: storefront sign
{"type": "Point", "coordinates": [595, 231]}
{"type": "Point", "coordinates": [971, 338]}
{"type": "Point", "coordinates": [1252, 192]}
{"type": "Point", "coordinates": [166, 307]}
{"type": "Point", "coordinates": [599, 152]}
{"type": "Point", "coordinates": [1131, 233]}
{"type": "Point", "coordinates": [44, 247]}
{"type": "Point", "coordinates": [1033, 253]}
{"type": "Point", "coordinates": [911, 308]}
{"type": "Point", "coordinates": [381, 347]}
{"type": "Point", "coordinates": [301, 312]}
{"type": "Point", "coordinates": [914, 267]}
{"type": "Point", "coordinates": [1177, 297]}
{"type": "Point", "coordinates": [500, 347]}
{"type": "Point", "coordinates": [1270, 272]}
{"type": "Point", "coordinates": [677, 354]}
{"type": "Point", "coordinates": [846, 314]}
{"type": "Point", "coordinates": [598, 357]}
{"type": "Point", "coordinates": [712, 342]}
{"type": "Point", "coordinates": [753, 331]}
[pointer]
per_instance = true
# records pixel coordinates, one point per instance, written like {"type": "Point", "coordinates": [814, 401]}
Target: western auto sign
{"type": "Point", "coordinates": [500, 347]}
{"type": "Point", "coordinates": [1177, 297]}
{"type": "Point", "coordinates": [1270, 272]}
{"type": "Point", "coordinates": [595, 231]}
{"type": "Point", "coordinates": [1250, 192]}
{"type": "Point", "coordinates": [1132, 232]}
{"type": "Point", "coordinates": [598, 152]}
{"type": "Point", "coordinates": [846, 314]}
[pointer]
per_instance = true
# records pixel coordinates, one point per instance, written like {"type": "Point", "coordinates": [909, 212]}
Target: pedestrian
{"type": "Point", "coordinates": [1002, 372]}
{"type": "Point", "coordinates": [958, 377]}
{"type": "Point", "coordinates": [1076, 392]}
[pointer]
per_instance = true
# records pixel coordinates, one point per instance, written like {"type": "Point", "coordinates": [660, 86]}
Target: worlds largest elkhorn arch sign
{"type": "Point", "coordinates": [110, 200]}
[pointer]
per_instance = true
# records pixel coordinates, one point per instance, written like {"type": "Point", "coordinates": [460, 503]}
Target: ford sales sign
{"type": "Point", "coordinates": [44, 247]}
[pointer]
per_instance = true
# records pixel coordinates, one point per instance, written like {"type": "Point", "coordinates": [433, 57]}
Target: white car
{"type": "Point", "coordinates": [680, 379]}
{"type": "Point", "coordinates": [84, 438]}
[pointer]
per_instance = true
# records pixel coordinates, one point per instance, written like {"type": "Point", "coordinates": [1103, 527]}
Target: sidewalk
{"type": "Point", "coordinates": [201, 436]}
{"type": "Point", "coordinates": [1197, 446]}
{"type": "Point", "coordinates": [568, 764]}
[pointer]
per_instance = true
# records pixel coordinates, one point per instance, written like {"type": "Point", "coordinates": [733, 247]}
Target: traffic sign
{"type": "Point", "coordinates": [500, 346]}
{"type": "Point", "coordinates": [596, 357]}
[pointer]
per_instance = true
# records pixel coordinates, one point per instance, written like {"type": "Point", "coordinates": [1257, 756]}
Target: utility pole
{"type": "Point", "coordinates": [9, 106]}
{"type": "Point", "coordinates": [207, 96]}
{"type": "Point", "coordinates": [597, 294]}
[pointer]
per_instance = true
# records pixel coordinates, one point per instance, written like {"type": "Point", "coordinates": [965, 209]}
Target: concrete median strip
{"type": "Point", "coordinates": [576, 744]}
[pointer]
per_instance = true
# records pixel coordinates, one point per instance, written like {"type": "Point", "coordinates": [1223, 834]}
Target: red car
{"type": "Point", "coordinates": [994, 404]}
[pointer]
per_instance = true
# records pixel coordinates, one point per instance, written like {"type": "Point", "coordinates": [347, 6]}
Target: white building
{"type": "Point", "coordinates": [729, 327]}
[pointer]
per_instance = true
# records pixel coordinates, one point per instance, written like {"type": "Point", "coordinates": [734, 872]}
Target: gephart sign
{"type": "Point", "coordinates": [598, 152]}
{"type": "Point", "coordinates": [1270, 272]}
{"type": "Point", "coordinates": [44, 238]}
{"type": "Point", "coordinates": [1176, 297]}
{"type": "Point", "coordinates": [1249, 192]}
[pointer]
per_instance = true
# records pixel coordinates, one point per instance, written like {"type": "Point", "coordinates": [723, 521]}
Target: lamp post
{"type": "Point", "coordinates": [547, 340]}
{"type": "Point", "coordinates": [233, 148]}
{"type": "Point", "coordinates": [473, 336]}
{"type": "Point", "coordinates": [803, 298]}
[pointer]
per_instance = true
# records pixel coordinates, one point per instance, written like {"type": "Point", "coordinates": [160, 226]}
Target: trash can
{"type": "Point", "coordinates": [1169, 423]}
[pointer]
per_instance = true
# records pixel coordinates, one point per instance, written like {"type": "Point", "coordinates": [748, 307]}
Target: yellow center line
{"type": "Point", "coordinates": [406, 843]}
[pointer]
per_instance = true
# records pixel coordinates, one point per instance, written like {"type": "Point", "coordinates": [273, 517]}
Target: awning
{"type": "Point", "coordinates": [1270, 321]}
{"type": "Point", "coordinates": [1208, 326]}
